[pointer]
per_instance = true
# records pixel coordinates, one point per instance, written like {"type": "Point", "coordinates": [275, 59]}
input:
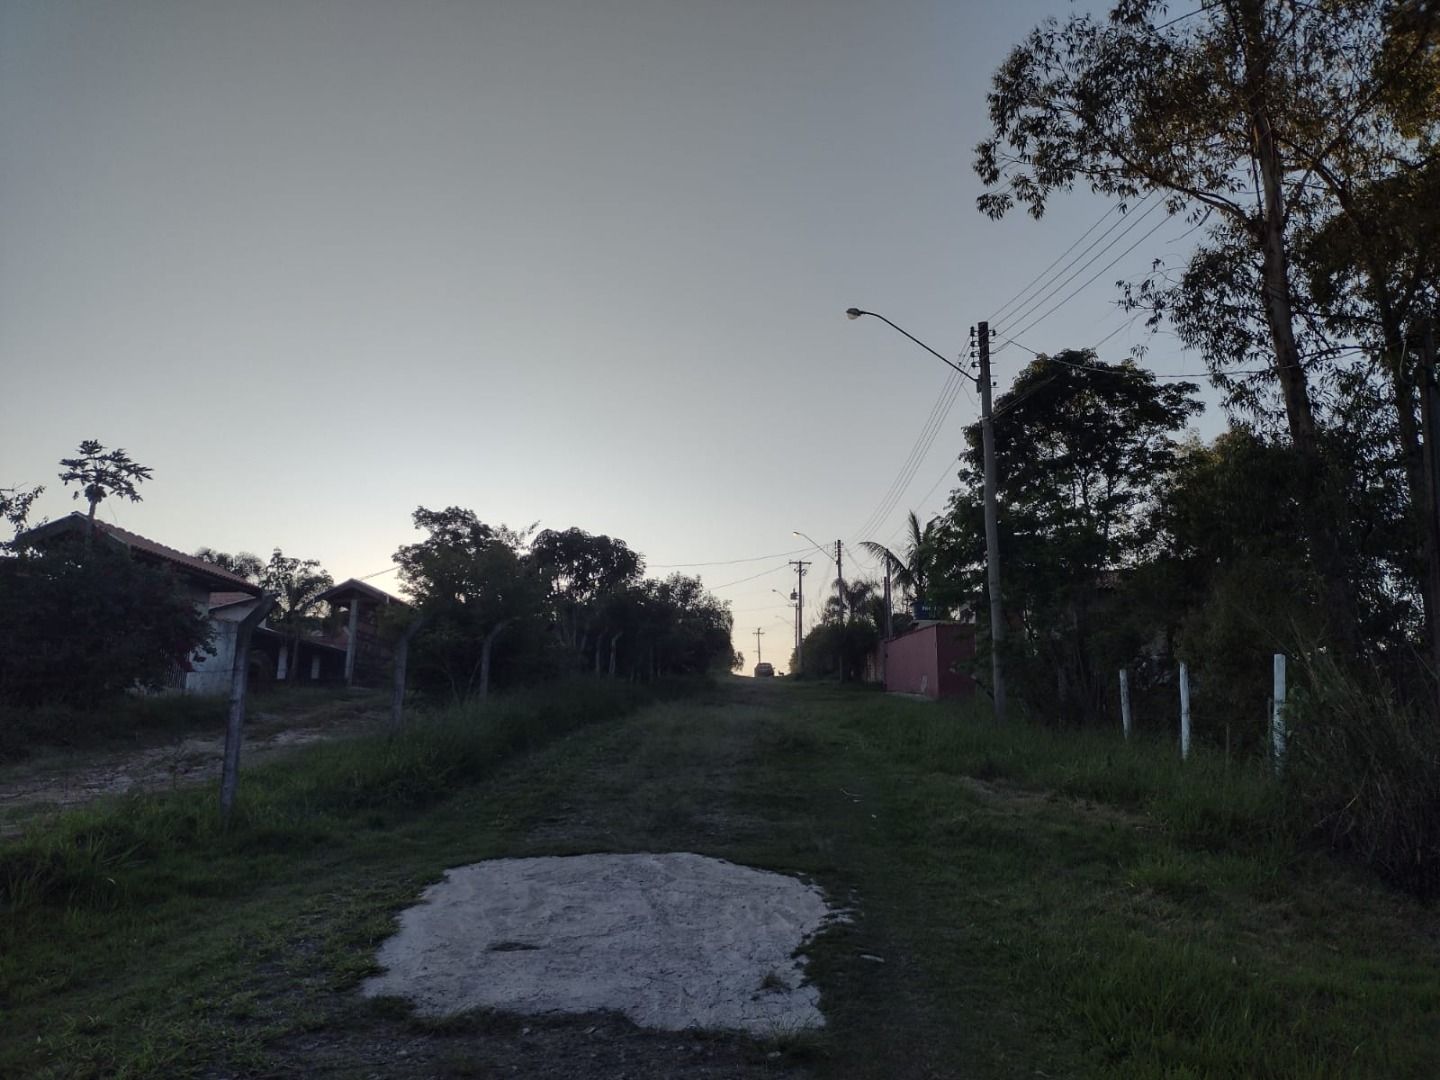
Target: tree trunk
{"type": "Point", "coordinates": [1422, 503]}
{"type": "Point", "coordinates": [1320, 499]}
{"type": "Point", "coordinates": [485, 657]}
{"type": "Point", "coordinates": [613, 642]}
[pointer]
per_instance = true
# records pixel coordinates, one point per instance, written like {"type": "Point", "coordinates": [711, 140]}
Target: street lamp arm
{"type": "Point", "coordinates": [816, 546]}
{"type": "Point", "coordinates": [855, 313]}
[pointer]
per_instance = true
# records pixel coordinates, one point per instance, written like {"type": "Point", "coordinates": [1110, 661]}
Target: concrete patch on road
{"type": "Point", "coordinates": [673, 942]}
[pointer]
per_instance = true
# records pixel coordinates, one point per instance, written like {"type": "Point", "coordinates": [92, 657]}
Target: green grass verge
{"type": "Point", "coordinates": [1025, 902]}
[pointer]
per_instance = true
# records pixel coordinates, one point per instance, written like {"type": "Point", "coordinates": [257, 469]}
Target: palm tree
{"type": "Point", "coordinates": [298, 585]}
{"type": "Point", "coordinates": [912, 571]}
{"type": "Point", "coordinates": [859, 598]}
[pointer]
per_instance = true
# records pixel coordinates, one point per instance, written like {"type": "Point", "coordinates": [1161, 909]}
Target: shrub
{"type": "Point", "coordinates": [1364, 774]}
{"type": "Point", "coordinates": [82, 626]}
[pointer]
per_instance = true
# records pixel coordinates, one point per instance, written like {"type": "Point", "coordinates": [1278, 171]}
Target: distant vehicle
{"type": "Point", "coordinates": [764, 670]}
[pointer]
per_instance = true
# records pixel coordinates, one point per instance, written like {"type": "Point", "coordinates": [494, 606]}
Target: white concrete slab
{"type": "Point", "coordinates": [672, 941]}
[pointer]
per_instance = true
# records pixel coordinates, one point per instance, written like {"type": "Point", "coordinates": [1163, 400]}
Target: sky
{"type": "Point", "coordinates": [320, 262]}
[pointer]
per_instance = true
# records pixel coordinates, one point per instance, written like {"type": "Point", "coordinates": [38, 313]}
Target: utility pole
{"type": "Point", "coordinates": [840, 580]}
{"type": "Point", "coordinates": [758, 635]}
{"type": "Point", "coordinates": [800, 565]}
{"type": "Point", "coordinates": [889, 622]}
{"type": "Point", "coordinates": [992, 531]}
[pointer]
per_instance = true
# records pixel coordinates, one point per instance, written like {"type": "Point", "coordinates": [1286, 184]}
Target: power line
{"type": "Point", "coordinates": [752, 577]}
{"type": "Point", "coordinates": [1094, 277]}
{"type": "Point", "coordinates": [939, 412]}
{"type": "Point", "coordinates": [913, 461]}
{"type": "Point", "coordinates": [1126, 370]}
{"type": "Point", "coordinates": [725, 562]}
{"type": "Point", "coordinates": [1038, 278]}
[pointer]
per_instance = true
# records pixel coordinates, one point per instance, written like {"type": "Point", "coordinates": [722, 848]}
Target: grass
{"type": "Point", "coordinates": [25, 732]}
{"type": "Point", "coordinates": [1024, 902]}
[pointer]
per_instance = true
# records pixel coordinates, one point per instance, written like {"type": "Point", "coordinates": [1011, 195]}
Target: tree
{"type": "Point", "coordinates": [472, 582]}
{"type": "Point", "coordinates": [1081, 448]}
{"type": "Point", "coordinates": [15, 503]}
{"type": "Point", "coordinates": [911, 572]}
{"type": "Point", "coordinates": [1232, 114]}
{"type": "Point", "coordinates": [1224, 584]}
{"type": "Point", "coordinates": [102, 473]}
{"type": "Point", "coordinates": [581, 570]}
{"type": "Point", "coordinates": [81, 629]}
{"type": "Point", "coordinates": [241, 564]}
{"type": "Point", "coordinates": [676, 628]}
{"type": "Point", "coordinates": [298, 585]}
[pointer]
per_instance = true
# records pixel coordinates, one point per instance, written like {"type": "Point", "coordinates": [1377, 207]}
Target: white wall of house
{"type": "Point", "coordinates": [211, 674]}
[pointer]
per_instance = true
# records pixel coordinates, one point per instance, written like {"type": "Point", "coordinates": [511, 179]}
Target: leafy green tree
{"type": "Point", "coordinates": [297, 585]}
{"type": "Point", "coordinates": [687, 630]}
{"type": "Point", "coordinates": [473, 582]}
{"type": "Point", "coordinates": [82, 628]}
{"type": "Point", "coordinates": [102, 473]}
{"type": "Point", "coordinates": [242, 564]}
{"type": "Point", "coordinates": [910, 571]}
{"type": "Point", "coordinates": [15, 503]}
{"type": "Point", "coordinates": [1247, 116]}
{"type": "Point", "coordinates": [582, 570]}
{"type": "Point", "coordinates": [1225, 584]}
{"type": "Point", "coordinates": [1081, 449]}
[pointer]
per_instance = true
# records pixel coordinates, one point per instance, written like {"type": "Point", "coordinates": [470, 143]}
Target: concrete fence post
{"type": "Point", "coordinates": [1277, 715]}
{"type": "Point", "coordinates": [1184, 711]}
{"type": "Point", "coordinates": [1125, 701]}
{"type": "Point", "coordinates": [235, 719]}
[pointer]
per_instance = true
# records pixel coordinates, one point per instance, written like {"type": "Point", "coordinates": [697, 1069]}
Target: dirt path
{"type": "Point", "coordinates": [62, 780]}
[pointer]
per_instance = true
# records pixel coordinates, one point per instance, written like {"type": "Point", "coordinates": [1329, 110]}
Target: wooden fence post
{"type": "Point", "coordinates": [1125, 701]}
{"type": "Point", "coordinates": [1184, 711]}
{"type": "Point", "coordinates": [235, 720]}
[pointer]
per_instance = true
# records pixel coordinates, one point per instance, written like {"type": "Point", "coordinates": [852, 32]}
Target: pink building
{"type": "Point", "coordinates": [930, 659]}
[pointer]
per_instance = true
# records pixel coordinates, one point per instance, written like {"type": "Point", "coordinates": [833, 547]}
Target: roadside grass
{"type": "Point", "coordinates": [1156, 917]}
{"type": "Point", "coordinates": [87, 894]}
{"type": "Point", "coordinates": [1022, 902]}
{"type": "Point", "coordinates": [25, 732]}
{"type": "Point", "coordinates": [54, 733]}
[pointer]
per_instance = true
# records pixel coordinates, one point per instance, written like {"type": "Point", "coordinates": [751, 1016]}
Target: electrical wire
{"type": "Point", "coordinates": [1041, 276]}
{"type": "Point", "coordinates": [939, 412]}
{"type": "Point", "coordinates": [725, 562]}
{"type": "Point", "coordinates": [918, 454]}
{"type": "Point", "coordinates": [752, 577]}
{"type": "Point", "coordinates": [1123, 370]}
{"type": "Point", "coordinates": [1037, 320]}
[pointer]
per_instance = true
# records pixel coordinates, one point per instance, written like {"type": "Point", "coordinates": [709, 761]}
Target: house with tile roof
{"type": "Point", "coordinates": [227, 598]}
{"type": "Point", "coordinates": [202, 582]}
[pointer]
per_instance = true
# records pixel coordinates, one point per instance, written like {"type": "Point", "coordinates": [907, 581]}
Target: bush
{"type": "Point", "coordinates": [1364, 774]}
{"type": "Point", "coordinates": [80, 626]}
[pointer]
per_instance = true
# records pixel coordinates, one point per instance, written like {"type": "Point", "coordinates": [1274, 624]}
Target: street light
{"type": "Point", "coordinates": [992, 530]}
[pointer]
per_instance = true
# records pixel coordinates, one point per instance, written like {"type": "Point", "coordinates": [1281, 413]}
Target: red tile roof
{"type": "Point", "coordinates": [356, 587]}
{"type": "Point", "coordinates": [208, 572]}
